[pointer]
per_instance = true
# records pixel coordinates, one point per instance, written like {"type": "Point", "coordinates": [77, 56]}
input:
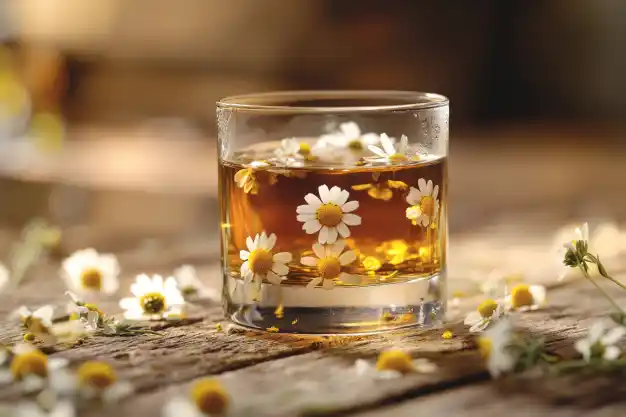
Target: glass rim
{"type": "Point", "coordinates": [266, 102]}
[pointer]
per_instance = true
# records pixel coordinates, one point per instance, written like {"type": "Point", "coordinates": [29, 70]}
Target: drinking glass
{"type": "Point", "coordinates": [333, 210]}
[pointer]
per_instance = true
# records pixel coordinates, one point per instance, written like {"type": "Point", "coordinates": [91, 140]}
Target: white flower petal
{"type": "Point", "coordinates": [376, 150]}
{"type": "Point", "coordinates": [425, 366]}
{"type": "Point", "coordinates": [336, 248]}
{"type": "Point", "coordinates": [342, 230]}
{"type": "Point", "coordinates": [323, 236]}
{"type": "Point", "coordinates": [596, 331]}
{"type": "Point", "coordinates": [435, 192]}
{"type": "Point", "coordinates": [45, 314]}
{"type": "Point", "coordinates": [308, 261]}
{"type": "Point", "coordinates": [332, 234]}
{"type": "Point", "coordinates": [271, 242]}
{"type": "Point", "coordinates": [280, 268]}
{"type": "Point", "coordinates": [181, 407]}
{"type": "Point", "coordinates": [324, 193]}
{"type": "Point", "coordinates": [250, 244]}
{"type": "Point", "coordinates": [387, 145]}
{"type": "Point", "coordinates": [611, 353]}
{"type": "Point", "coordinates": [583, 346]}
{"type": "Point", "coordinates": [313, 201]}
{"type": "Point", "coordinates": [312, 226]}
{"type": "Point", "coordinates": [539, 294]}
{"type": "Point", "coordinates": [283, 257]}
{"type": "Point", "coordinates": [273, 278]}
{"type": "Point", "coordinates": [307, 209]}
{"type": "Point", "coordinates": [347, 258]}
{"type": "Point", "coordinates": [318, 250]}
{"type": "Point", "coordinates": [362, 367]}
{"type": "Point", "coordinates": [472, 318]}
{"type": "Point", "coordinates": [328, 284]}
{"type": "Point", "coordinates": [305, 217]}
{"type": "Point", "coordinates": [349, 206]}
{"type": "Point", "coordinates": [342, 197]}
{"type": "Point", "coordinates": [388, 374]}
{"type": "Point", "coordinates": [351, 219]}
{"type": "Point", "coordinates": [314, 282]}
{"type": "Point", "coordinates": [613, 336]}
{"type": "Point", "coordinates": [244, 255]}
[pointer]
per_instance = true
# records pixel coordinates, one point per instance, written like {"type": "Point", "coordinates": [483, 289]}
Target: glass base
{"type": "Point", "coordinates": [342, 310]}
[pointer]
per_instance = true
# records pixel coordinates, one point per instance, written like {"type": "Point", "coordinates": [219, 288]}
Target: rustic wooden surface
{"type": "Point", "coordinates": [284, 375]}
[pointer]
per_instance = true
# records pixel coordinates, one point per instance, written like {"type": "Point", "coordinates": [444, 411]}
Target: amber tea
{"type": "Point", "coordinates": [333, 235]}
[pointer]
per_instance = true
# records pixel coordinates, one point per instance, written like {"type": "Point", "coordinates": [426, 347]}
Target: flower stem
{"type": "Point", "coordinates": [608, 297]}
{"type": "Point", "coordinates": [616, 282]}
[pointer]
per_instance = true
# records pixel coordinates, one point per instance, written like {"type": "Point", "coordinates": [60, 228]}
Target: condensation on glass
{"type": "Point", "coordinates": [333, 210]}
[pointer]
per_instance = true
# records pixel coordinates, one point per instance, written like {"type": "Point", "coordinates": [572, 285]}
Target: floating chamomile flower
{"type": "Point", "coordinates": [487, 312]}
{"type": "Point", "coordinates": [329, 263]}
{"type": "Point", "coordinates": [292, 152]}
{"type": "Point", "coordinates": [87, 271]}
{"type": "Point", "coordinates": [494, 345]}
{"type": "Point", "coordinates": [390, 153]}
{"type": "Point", "coordinates": [251, 178]}
{"type": "Point", "coordinates": [261, 263]}
{"type": "Point", "coordinates": [207, 398]}
{"type": "Point", "coordinates": [191, 286]}
{"type": "Point", "coordinates": [394, 363]}
{"type": "Point", "coordinates": [330, 214]}
{"type": "Point", "coordinates": [424, 203]}
{"type": "Point", "coordinates": [600, 342]}
{"type": "Point", "coordinates": [527, 297]}
{"type": "Point", "coordinates": [381, 189]}
{"type": "Point", "coordinates": [59, 409]}
{"type": "Point", "coordinates": [4, 277]}
{"type": "Point", "coordinates": [154, 299]}
{"type": "Point", "coordinates": [30, 367]}
{"type": "Point", "coordinates": [349, 136]}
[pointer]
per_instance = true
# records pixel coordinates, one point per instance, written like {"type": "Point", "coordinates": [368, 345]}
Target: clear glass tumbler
{"type": "Point", "coordinates": [333, 210]}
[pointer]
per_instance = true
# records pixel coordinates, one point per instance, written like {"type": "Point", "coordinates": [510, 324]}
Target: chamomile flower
{"type": "Point", "coordinates": [489, 311]}
{"type": "Point", "coordinates": [600, 342]}
{"type": "Point", "coordinates": [494, 345]}
{"type": "Point", "coordinates": [70, 331]}
{"type": "Point", "coordinates": [390, 153]}
{"type": "Point", "coordinates": [60, 409]}
{"type": "Point", "coordinates": [87, 271]}
{"type": "Point", "coordinates": [527, 297]}
{"type": "Point", "coordinates": [251, 178]}
{"type": "Point", "coordinates": [38, 322]}
{"type": "Point", "coordinates": [261, 263]}
{"type": "Point", "coordinates": [292, 152]}
{"type": "Point", "coordinates": [330, 214]}
{"type": "Point", "coordinates": [394, 363]}
{"type": "Point", "coordinates": [94, 380]}
{"type": "Point", "coordinates": [349, 136]}
{"type": "Point", "coordinates": [31, 368]}
{"type": "Point", "coordinates": [207, 398]}
{"type": "Point", "coordinates": [4, 277]}
{"type": "Point", "coordinates": [424, 203]}
{"type": "Point", "coordinates": [87, 313]}
{"type": "Point", "coordinates": [191, 286]}
{"type": "Point", "coordinates": [154, 299]}
{"type": "Point", "coordinates": [329, 263]}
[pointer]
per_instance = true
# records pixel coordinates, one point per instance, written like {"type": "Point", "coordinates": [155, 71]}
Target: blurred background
{"type": "Point", "coordinates": [107, 121]}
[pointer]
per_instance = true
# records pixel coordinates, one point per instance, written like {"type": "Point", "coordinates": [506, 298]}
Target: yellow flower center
{"type": "Point", "coordinates": [96, 374]}
{"type": "Point", "coordinates": [427, 205]}
{"type": "Point", "coordinates": [447, 334]}
{"type": "Point", "coordinates": [486, 308]}
{"type": "Point", "coordinates": [484, 346]}
{"type": "Point", "coordinates": [29, 337]}
{"type": "Point", "coordinates": [94, 308]}
{"type": "Point", "coordinates": [395, 360]}
{"type": "Point", "coordinates": [329, 214]}
{"type": "Point", "coordinates": [305, 149]}
{"type": "Point", "coordinates": [153, 303]}
{"type": "Point", "coordinates": [29, 363]}
{"type": "Point", "coordinates": [521, 296]}
{"type": "Point", "coordinates": [329, 267]}
{"type": "Point", "coordinates": [355, 145]}
{"type": "Point", "coordinates": [398, 157]}
{"type": "Point", "coordinates": [91, 279]}
{"type": "Point", "coordinates": [209, 396]}
{"type": "Point", "coordinates": [260, 261]}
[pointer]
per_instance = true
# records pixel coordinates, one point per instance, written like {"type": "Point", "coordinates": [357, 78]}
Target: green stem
{"type": "Point", "coordinates": [616, 282]}
{"type": "Point", "coordinates": [608, 297]}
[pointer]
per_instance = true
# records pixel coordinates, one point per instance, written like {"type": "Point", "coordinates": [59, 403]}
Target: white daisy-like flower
{"type": "Point", "coordinates": [424, 203]}
{"type": "Point", "coordinates": [191, 286]}
{"type": "Point", "coordinates": [71, 331]}
{"type": "Point", "coordinates": [92, 380]}
{"type": "Point", "coordinates": [31, 368]}
{"type": "Point", "coordinates": [526, 297]}
{"type": "Point", "coordinates": [349, 136]}
{"type": "Point", "coordinates": [394, 363]}
{"type": "Point", "coordinates": [494, 345]}
{"type": "Point", "coordinates": [292, 152]}
{"type": "Point", "coordinates": [330, 214]}
{"type": "Point", "coordinates": [566, 253]}
{"type": "Point", "coordinates": [329, 263]}
{"type": "Point", "coordinates": [207, 398]}
{"type": "Point", "coordinates": [261, 263]}
{"type": "Point", "coordinates": [154, 299]}
{"type": "Point", "coordinates": [489, 311]}
{"type": "Point", "coordinates": [60, 409]}
{"type": "Point", "coordinates": [4, 277]}
{"type": "Point", "coordinates": [600, 342]}
{"type": "Point", "coordinates": [87, 271]}
{"type": "Point", "coordinates": [390, 153]}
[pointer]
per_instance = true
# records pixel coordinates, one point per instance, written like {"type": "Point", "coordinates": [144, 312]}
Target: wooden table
{"type": "Point", "coordinates": [506, 206]}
